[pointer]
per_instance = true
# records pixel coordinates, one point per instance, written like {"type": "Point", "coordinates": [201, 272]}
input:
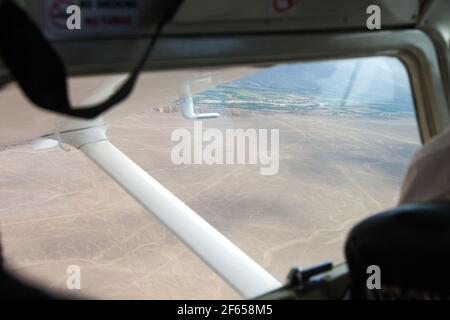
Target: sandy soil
{"type": "Point", "coordinates": [59, 209]}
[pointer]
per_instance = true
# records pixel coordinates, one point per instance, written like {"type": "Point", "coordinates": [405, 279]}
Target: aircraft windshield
{"type": "Point", "coordinates": [299, 154]}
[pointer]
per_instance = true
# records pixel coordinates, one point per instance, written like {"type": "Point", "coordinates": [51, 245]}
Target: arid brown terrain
{"type": "Point", "coordinates": [59, 209]}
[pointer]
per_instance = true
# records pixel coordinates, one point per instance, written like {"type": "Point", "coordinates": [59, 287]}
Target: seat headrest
{"type": "Point", "coordinates": [410, 245]}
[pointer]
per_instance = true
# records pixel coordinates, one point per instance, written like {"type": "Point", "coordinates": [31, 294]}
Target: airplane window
{"type": "Point", "coordinates": [283, 161]}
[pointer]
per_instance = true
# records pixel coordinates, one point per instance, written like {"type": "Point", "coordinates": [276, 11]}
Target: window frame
{"type": "Point", "coordinates": [414, 48]}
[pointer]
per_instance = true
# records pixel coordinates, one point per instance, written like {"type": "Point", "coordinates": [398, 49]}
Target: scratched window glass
{"type": "Point", "coordinates": [281, 160]}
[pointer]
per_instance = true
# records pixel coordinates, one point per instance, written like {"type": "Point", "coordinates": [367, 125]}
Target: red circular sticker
{"type": "Point", "coordinates": [58, 12]}
{"type": "Point", "coordinates": [283, 5]}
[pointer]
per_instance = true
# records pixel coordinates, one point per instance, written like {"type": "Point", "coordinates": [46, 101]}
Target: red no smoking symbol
{"type": "Point", "coordinates": [283, 5]}
{"type": "Point", "coordinates": [58, 12]}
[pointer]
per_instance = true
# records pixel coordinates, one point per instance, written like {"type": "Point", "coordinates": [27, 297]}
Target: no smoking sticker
{"type": "Point", "coordinates": [282, 6]}
{"type": "Point", "coordinates": [97, 16]}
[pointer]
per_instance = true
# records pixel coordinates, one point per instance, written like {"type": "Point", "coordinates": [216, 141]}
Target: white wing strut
{"type": "Point", "coordinates": [234, 266]}
{"type": "Point", "coordinates": [187, 103]}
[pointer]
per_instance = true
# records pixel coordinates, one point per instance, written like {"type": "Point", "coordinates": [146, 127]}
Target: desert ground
{"type": "Point", "coordinates": [59, 209]}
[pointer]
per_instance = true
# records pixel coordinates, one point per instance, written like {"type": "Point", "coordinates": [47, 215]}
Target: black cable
{"type": "Point", "coordinates": [39, 71]}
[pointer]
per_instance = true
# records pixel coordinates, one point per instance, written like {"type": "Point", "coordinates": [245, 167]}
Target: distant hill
{"type": "Point", "coordinates": [380, 82]}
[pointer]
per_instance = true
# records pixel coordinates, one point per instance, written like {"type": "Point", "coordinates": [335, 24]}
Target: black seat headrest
{"type": "Point", "coordinates": [410, 245]}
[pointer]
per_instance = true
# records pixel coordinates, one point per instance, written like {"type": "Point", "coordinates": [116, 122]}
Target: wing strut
{"type": "Point", "coordinates": [226, 259]}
